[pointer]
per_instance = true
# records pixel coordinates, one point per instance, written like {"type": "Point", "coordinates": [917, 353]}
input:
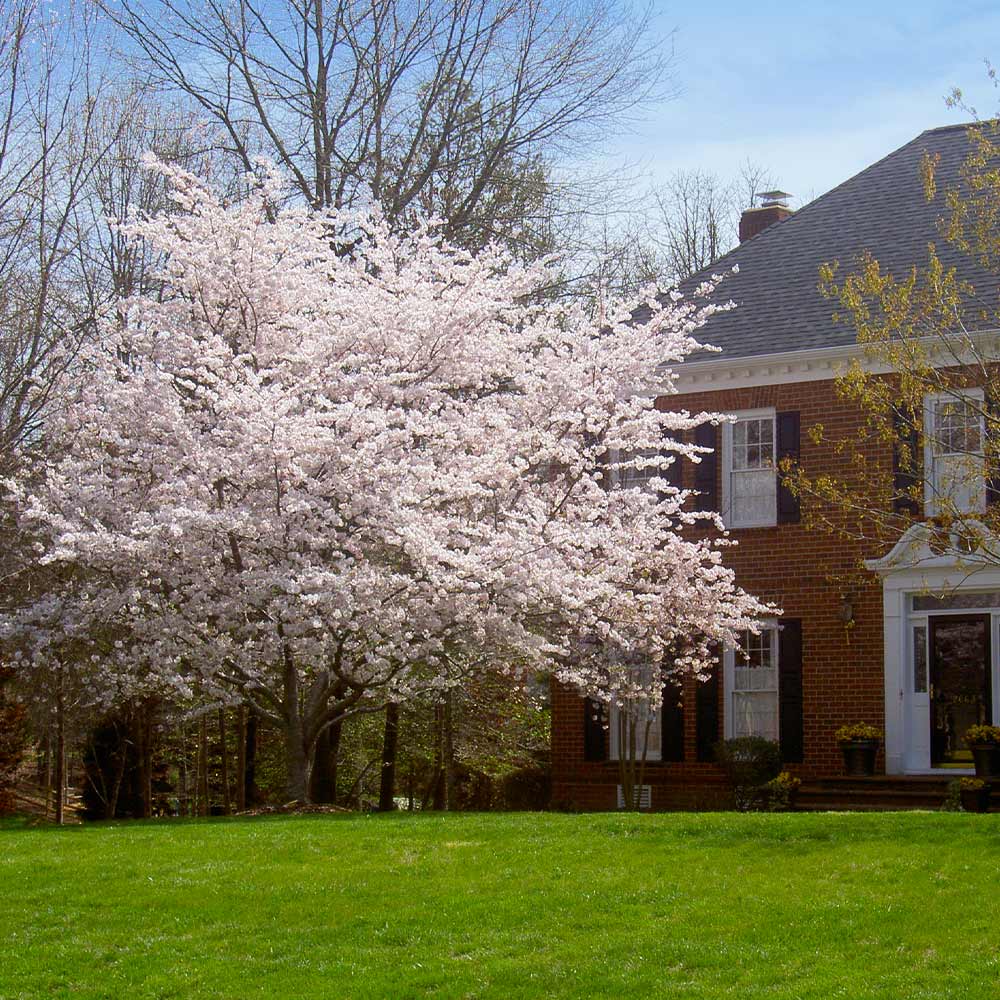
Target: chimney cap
{"type": "Point", "coordinates": [771, 198]}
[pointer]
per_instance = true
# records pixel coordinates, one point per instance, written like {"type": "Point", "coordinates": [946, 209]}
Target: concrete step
{"type": "Point", "coordinates": [874, 793]}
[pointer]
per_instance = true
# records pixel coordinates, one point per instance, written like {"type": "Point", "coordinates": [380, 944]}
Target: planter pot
{"type": "Point", "coordinates": [976, 800]}
{"type": "Point", "coordinates": [987, 758]}
{"type": "Point", "coordinates": [859, 757]}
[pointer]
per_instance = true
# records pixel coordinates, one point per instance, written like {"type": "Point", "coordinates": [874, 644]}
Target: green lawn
{"type": "Point", "coordinates": [505, 906]}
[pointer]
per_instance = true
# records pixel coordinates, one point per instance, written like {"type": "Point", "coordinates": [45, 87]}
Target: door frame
{"type": "Point", "coordinates": [912, 567]}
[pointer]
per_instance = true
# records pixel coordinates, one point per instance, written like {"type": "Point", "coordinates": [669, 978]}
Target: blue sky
{"type": "Point", "coordinates": [814, 91]}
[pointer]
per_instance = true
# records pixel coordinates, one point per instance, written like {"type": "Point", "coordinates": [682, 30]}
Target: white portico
{"type": "Point", "coordinates": [941, 606]}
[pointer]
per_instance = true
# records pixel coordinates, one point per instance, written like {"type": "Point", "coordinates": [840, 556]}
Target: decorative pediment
{"type": "Point", "coordinates": [966, 547]}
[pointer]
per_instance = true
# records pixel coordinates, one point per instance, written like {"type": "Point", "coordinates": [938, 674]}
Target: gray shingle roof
{"type": "Point", "coordinates": [882, 209]}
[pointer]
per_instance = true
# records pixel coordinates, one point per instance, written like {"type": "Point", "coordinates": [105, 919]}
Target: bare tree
{"type": "Point", "coordinates": [400, 98]}
{"type": "Point", "coordinates": [129, 122]}
{"type": "Point", "coordinates": [694, 222]}
{"type": "Point", "coordinates": [48, 90]}
{"type": "Point", "coordinates": [695, 217]}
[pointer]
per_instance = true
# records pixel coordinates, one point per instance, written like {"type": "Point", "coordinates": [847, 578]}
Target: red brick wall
{"type": "Point", "coordinates": [804, 571]}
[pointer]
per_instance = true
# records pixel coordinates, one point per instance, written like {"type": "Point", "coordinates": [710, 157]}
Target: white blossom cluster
{"type": "Point", "coordinates": [316, 465]}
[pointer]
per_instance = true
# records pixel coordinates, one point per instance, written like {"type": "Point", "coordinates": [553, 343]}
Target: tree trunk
{"type": "Point", "coordinates": [248, 775]}
{"type": "Point", "coordinates": [323, 778]}
{"type": "Point", "coordinates": [297, 762]}
{"type": "Point", "coordinates": [450, 777]}
{"type": "Point", "coordinates": [203, 767]}
{"type": "Point", "coordinates": [184, 799]}
{"type": "Point", "coordinates": [48, 768]}
{"type": "Point", "coordinates": [144, 754]}
{"type": "Point", "coordinates": [390, 740]}
{"type": "Point", "coordinates": [296, 751]}
{"type": "Point", "coordinates": [227, 802]}
{"type": "Point", "coordinates": [438, 793]}
{"type": "Point", "coordinates": [241, 758]}
{"type": "Point", "coordinates": [60, 748]}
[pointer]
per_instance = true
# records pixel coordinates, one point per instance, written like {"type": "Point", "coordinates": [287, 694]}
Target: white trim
{"type": "Point", "coordinates": [727, 466]}
{"type": "Point", "coordinates": [813, 365]}
{"type": "Point", "coordinates": [912, 567]}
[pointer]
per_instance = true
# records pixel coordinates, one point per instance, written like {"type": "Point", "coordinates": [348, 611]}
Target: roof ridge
{"type": "Point", "coordinates": [776, 226]}
{"type": "Point", "coordinates": [951, 128]}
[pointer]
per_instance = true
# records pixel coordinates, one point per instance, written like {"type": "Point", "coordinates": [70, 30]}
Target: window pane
{"type": "Point", "coordinates": [753, 443]}
{"type": "Point", "coordinates": [985, 599]}
{"type": "Point", "coordinates": [920, 659]}
{"type": "Point", "coordinates": [957, 428]}
{"type": "Point", "coordinates": [753, 496]}
{"type": "Point", "coordinates": [755, 686]}
{"type": "Point", "coordinates": [755, 714]}
{"type": "Point", "coordinates": [959, 480]}
{"type": "Point", "coordinates": [634, 476]}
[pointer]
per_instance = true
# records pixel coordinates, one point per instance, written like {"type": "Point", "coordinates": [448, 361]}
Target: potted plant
{"type": "Point", "coordinates": [859, 743]}
{"type": "Point", "coordinates": [984, 742]}
{"type": "Point", "coordinates": [975, 794]}
{"type": "Point", "coordinates": [782, 791]}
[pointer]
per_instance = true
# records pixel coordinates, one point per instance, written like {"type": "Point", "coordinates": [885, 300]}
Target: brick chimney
{"type": "Point", "coordinates": [773, 208]}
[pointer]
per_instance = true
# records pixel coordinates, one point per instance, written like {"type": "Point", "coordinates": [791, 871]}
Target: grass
{"type": "Point", "coordinates": [903, 905]}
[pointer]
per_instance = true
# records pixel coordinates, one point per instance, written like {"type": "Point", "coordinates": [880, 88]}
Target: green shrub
{"type": "Point", "coordinates": [527, 788]}
{"type": "Point", "coordinates": [750, 762]}
{"type": "Point", "coordinates": [780, 791]}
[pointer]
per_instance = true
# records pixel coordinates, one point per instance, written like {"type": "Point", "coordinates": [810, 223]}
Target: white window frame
{"type": "Point", "coordinates": [729, 678]}
{"type": "Point", "coordinates": [618, 455]}
{"type": "Point", "coordinates": [930, 471]}
{"type": "Point", "coordinates": [727, 468]}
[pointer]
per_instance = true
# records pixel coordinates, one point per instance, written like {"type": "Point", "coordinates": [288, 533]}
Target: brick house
{"type": "Point", "coordinates": [852, 644]}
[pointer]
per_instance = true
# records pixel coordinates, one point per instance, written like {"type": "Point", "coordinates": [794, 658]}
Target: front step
{"type": "Point", "coordinates": [880, 792]}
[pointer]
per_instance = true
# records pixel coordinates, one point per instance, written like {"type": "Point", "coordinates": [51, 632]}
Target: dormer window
{"type": "Point", "coordinates": [956, 469]}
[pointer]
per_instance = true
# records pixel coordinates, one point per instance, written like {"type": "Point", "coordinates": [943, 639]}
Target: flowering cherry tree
{"type": "Point", "coordinates": [318, 480]}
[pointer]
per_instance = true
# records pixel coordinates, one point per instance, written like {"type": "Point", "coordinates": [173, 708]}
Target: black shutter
{"type": "Point", "coordinates": [595, 745]}
{"type": "Point", "coordinates": [788, 450]}
{"type": "Point", "coordinates": [706, 471]}
{"type": "Point", "coordinates": [990, 445]}
{"type": "Point", "coordinates": [790, 724]}
{"type": "Point", "coordinates": [672, 474]}
{"type": "Point", "coordinates": [906, 464]}
{"type": "Point", "coordinates": [707, 715]}
{"type": "Point", "coordinates": [672, 723]}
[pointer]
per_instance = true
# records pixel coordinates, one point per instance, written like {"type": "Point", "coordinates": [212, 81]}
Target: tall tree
{"type": "Point", "coordinates": [432, 106]}
{"type": "Point", "coordinates": [322, 482]}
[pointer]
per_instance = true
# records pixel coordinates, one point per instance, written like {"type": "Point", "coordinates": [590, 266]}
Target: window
{"type": "Point", "coordinates": [634, 728]}
{"type": "Point", "coordinates": [753, 707]}
{"type": "Point", "coordinates": [954, 453]}
{"type": "Point", "coordinates": [639, 474]}
{"type": "Point", "coordinates": [920, 659]}
{"type": "Point", "coordinates": [749, 479]}
{"type": "Point", "coordinates": [628, 730]}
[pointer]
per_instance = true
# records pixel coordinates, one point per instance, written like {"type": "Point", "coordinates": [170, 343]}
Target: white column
{"type": "Point", "coordinates": [894, 618]}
